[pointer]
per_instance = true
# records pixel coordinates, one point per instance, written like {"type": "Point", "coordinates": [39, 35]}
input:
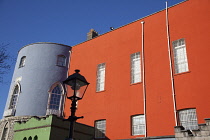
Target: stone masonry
{"type": "Point", "coordinates": [10, 121]}
{"type": "Point", "coordinates": [202, 133]}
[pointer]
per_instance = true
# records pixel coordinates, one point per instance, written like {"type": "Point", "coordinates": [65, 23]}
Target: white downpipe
{"type": "Point", "coordinates": [143, 80]}
{"type": "Point", "coordinates": [171, 68]}
{"type": "Point", "coordinates": [64, 100]}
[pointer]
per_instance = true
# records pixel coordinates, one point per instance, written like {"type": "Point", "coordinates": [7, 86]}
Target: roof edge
{"type": "Point", "coordinates": [132, 22]}
{"type": "Point", "coordinates": [44, 43]}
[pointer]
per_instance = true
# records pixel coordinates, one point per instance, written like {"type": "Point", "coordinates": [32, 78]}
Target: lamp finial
{"type": "Point", "coordinates": [77, 70]}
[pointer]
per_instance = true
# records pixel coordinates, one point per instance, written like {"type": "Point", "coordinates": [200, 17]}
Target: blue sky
{"type": "Point", "coordinates": [64, 21]}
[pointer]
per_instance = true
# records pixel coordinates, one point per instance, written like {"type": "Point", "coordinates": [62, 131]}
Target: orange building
{"type": "Point", "coordinates": [147, 76]}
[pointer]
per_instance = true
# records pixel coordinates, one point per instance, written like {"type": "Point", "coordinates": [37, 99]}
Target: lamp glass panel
{"type": "Point", "coordinates": [76, 88]}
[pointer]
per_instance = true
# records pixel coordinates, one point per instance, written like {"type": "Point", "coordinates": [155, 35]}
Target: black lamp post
{"type": "Point", "coordinates": [75, 86]}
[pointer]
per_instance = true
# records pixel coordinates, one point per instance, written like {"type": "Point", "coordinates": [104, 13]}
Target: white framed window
{"type": "Point", "coordinates": [22, 62]}
{"type": "Point", "coordinates": [100, 83]}
{"type": "Point", "coordinates": [180, 56]}
{"type": "Point", "coordinates": [188, 119]}
{"type": "Point", "coordinates": [100, 128]}
{"type": "Point", "coordinates": [55, 100]}
{"type": "Point", "coordinates": [14, 98]}
{"type": "Point", "coordinates": [135, 68]}
{"type": "Point", "coordinates": [138, 125]}
{"type": "Point", "coordinates": [61, 60]}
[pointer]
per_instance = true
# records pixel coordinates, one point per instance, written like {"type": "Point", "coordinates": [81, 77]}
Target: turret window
{"type": "Point", "coordinates": [55, 100]}
{"type": "Point", "coordinates": [14, 97]}
{"type": "Point", "coordinates": [22, 62]}
{"type": "Point", "coordinates": [61, 60]}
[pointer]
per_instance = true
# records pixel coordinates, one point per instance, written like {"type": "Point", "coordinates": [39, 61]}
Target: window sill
{"type": "Point", "coordinates": [100, 91]}
{"type": "Point", "coordinates": [182, 73]}
{"type": "Point", "coordinates": [135, 83]}
{"type": "Point", "coordinates": [61, 66]}
{"type": "Point", "coordinates": [21, 67]}
{"type": "Point", "coordinates": [137, 136]}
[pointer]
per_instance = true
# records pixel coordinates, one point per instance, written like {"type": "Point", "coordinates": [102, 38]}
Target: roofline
{"type": "Point", "coordinates": [43, 43]}
{"type": "Point", "coordinates": [132, 22]}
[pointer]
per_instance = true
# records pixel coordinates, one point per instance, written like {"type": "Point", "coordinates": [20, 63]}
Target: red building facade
{"type": "Point", "coordinates": [147, 76]}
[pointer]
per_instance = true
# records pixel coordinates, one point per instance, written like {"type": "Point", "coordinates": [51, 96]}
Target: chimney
{"type": "Point", "coordinates": [92, 34]}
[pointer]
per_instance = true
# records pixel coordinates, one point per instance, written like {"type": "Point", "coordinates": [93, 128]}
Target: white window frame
{"type": "Point", "coordinates": [180, 56]}
{"type": "Point", "coordinates": [138, 125]}
{"type": "Point", "coordinates": [22, 62]}
{"type": "Point", "coordinates": [14, 96]}
{"type": "Point", "coordinates": [188, 119]}
{"type": "Point", "coordinates": [135, 67]}
{"type": "Point", "coordinates": [61, 60]}
{"type": "Point", "coordinates": [56, 111]}
{"type": "Point", "coordinates": [100, 129]}
{"type": "Point", "coordinates": [100, 83]}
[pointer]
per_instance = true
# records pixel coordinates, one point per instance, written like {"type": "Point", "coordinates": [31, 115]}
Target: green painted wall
{"type": "Point", "coordinates": [51, 128]}
{"type": "Point", "coordinates": [33, 127]}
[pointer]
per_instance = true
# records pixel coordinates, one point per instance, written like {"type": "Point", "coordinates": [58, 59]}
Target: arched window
{"type": "Point", "coordinates": [14, 97]}
{"type": "Point", "coordinates": [5, 132]}
{"type": "Point", "coordinates": [24, 138]}
{"type": "Point", "coordinates": [22, 61]}
{"type": "Point", "coordinates": [30, 138]}
{"type": "Point", "coordinates": [36, 137]}
{"type": "Point", "coordinates": [61, 60]}
{"type": "Point", "coordinates": [55, 100]}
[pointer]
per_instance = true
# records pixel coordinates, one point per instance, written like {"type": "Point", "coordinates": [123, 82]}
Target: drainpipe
{"type": "Point", "coordinates": [64, 99]}
{"type": "Point", "coordinates": [143, 79]}
{"type": "Point", "coordinates": [171, 68]}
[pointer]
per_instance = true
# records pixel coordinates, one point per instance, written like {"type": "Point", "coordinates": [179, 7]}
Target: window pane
{"type": "Point", "coordinates": [55, 98]}
{"type": "Point", "coordinates": [14, 98]}
{"type": "Point", "coordinates": [135, 68]}
{"type": "Point", "coordinates": [180, 56]}
{"type": "Point", "coordinates": [100, 129]}
{"type": "Point", "coordinates": [138, 125]}
{"type": "Point", "coordinates": [61, 60]}
{"type": "Point", "coordinates": [100, 77]}
{"type": "Point", "coordinates": [188, 119]}
{"type": "Point", "coordinates": [22, 62]}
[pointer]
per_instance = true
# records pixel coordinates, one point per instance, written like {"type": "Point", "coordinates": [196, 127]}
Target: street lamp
{"type": "Point", "coordinates": [75, 86]}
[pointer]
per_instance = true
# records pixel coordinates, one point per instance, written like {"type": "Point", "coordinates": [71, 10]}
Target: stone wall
{"type": "Point", "coordinates": [10, 121]}
{"type": "Point", "coordinates": [202, 133]}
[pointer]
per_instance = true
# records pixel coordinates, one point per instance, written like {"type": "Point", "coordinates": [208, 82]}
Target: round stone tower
{"type": "Point", "coordinates": [36, 88]}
